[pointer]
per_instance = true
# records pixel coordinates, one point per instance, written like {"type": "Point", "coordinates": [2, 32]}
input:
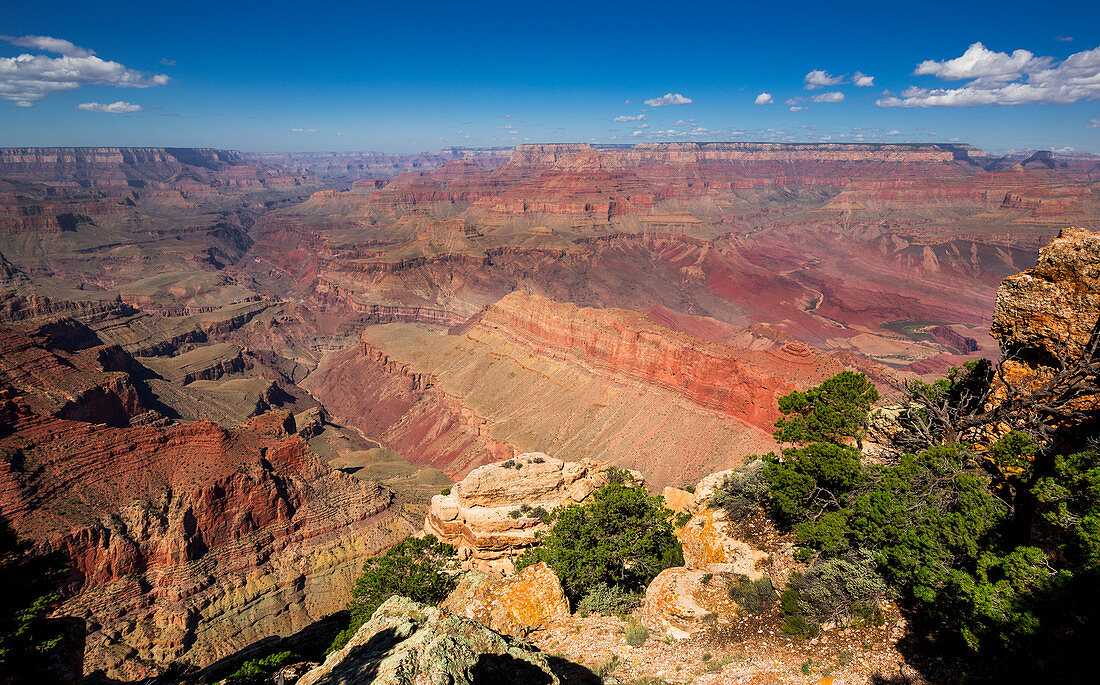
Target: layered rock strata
{"type": "Point", "coordinates": [188, 543]}
{"type": "Point", "coordinates": [492, 515]}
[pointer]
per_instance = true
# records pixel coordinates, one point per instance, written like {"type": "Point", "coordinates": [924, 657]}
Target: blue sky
{"type": "Point", "coordinates": [400, 76]}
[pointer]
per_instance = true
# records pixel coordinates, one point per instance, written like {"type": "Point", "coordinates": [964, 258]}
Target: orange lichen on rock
{"type": "Point", "coordinates": [531, 598]}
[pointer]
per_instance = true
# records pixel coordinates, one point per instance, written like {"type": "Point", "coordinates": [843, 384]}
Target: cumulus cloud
{"type": "Point", "coordinates": [1002, 79]}
{"type": "Point", "coordinates": [48, 44]}
{"type": "Point", "coordinates": [639, 117]}
{"type": "Point", "coordinates": [979, 62]}
{"type": "Point", "coordinates": [862, 80]}
{"type": "Point", "coordinates": [828, 97]}
{"type": "Point", "coordinates": [797, 108]}
{"type": "Point", "coordinates": [894, 132]}
{"type": "Point", "coordinates": [764, 99]}
{"type": "Point", "coordinates": [1093, 123]}
{"type": "Point", "coordinates": [819, 78]}
{"type": "Point", "coordinates": [119, 107]}
{"type": "Point", "coordinates": [668, 99]}
{"type": "Point", "coordinates": [26, 78]}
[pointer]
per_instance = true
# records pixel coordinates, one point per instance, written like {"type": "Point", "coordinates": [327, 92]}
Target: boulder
{"type": "Point", "coordinates": [709, 546]}
{"type": "Point", "coordinates": [408, 643]}
{"type": "Point", "coordinates": [680, 501]}
{"type": "Point", "coordinates": [530, 599]}
{"type": "Point", "coordinates": [492, 515]}
{"type": "Point", "coordinates": [683, 601]}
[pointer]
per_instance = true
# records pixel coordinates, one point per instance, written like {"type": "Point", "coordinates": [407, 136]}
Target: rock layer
{"type": "Point", "coordinates": [489, 514]}
{"type": "Point", "coordinates": [188, 543]}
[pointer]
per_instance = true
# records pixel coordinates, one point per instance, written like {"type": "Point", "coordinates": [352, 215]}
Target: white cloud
{"type": "Point", "coordinates": [167, 62]}
{"type": "Point", "coordinates": [764, 99]}
{"type": "Point", "coordinates": [1000, 79]}
{"type": "Point", "coordinates": [1064, 39]}
{"type": "Point", "coordinates": [310, 130]}
{"type": "Point", "coordinates": [819, 78]}
{"type": "Point", "coordinates": [894, 132]}
{"type": "Point", "coordinates": [639, 117]}
{"type": "Point", "coordinates": [979, 62]}
{"type": "Point", "coordinates": [643, 125]}
{"type": "Point", "coordinates": [836, 96]}
{"type": "Point", "coordinates": [26, 79]}
{"type": "Point", "coordinates": [1093, 123]}
{"type": "Point", "coordinates": [119, 107]}
{"type": "Point", "coordinates": [668, 99]}
{"type": "Point", "coordinates": [862, 80]}
{"type": "Point", "coordinates": [797, 109]}
{"type": "Point", "coordinates": [679, 122]}
{"type": "Point", "coordinates": [48, 44]}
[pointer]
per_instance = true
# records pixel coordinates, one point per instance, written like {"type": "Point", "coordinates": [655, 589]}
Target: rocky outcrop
{"type": "Point", "coordinates": [493, 514]}
{"type": "Point", "coordinates": [406, 643]}
{"type": "Point", "coordinates": [527, 601]}
{"type": "Point", "coordinates": [1051, 310]}
{"type": "Point", "coordinates": [188, 543]}
{"type": "Point", "coordinates": [683, 601]}
{"type": "Point", "coordinates": [710, 545]}
{"type": "Point", "coordinates": [1047, 320]}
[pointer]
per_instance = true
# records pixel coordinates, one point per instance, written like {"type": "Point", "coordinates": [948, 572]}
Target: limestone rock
{"type": "Point", "coordinates": [531, 598]}
{"type": "Point", "coordinates": [482, 515]}
{"type": "Point", "coordinates": [1048, 313]}
{"type": "Point", "coordinates": [709, 546]}
{"type": "Point", "coordinates": [1054, 304]}
{"type": "Point", "coordinates": [679, 500]}
{"type": "Point", "coordinates": [683, 601]}
{"type": "Point", "coordinates": [407, 643]}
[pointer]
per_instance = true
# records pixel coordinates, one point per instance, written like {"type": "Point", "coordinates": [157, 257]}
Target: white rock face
{"type": "Point", "coordinates": [482, 515]}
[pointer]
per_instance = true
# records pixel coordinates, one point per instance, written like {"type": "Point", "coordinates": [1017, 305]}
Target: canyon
{"type": "Point", "coordinates": [226, 378]}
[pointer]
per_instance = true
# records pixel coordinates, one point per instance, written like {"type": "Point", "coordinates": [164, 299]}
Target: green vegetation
{"type": "Point", "coordinates": [416, 568]}
{"type": "Point", "coordinates": [636, 634]}
{"type": "Point", "coordinates": [753, 596]}
{"type": "Point", "coordinates": [29, 593]}
{"type": "Point", "coordinates": [608, 600]}
{"type": "Point", "coordinates": [988, 547]}
{"type": "Point", "coordinates": [621, 539]}
{"type": "Point", "coordinates": [834, 411]}
{"type": "Point", "coordinates": [260, 671]}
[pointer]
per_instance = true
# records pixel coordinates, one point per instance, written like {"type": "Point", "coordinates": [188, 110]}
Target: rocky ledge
{"type": "Point", "coordinates": [493, 514]}
{"type": "Point", "coordinates": [407, 643]}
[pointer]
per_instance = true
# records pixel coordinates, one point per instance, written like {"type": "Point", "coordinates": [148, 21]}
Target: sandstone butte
{"type": "Point", "coordinates": [189, 542]}
{"type": "Point", "coordinates": [482, 515]}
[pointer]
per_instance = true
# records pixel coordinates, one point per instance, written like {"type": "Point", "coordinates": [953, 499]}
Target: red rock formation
{"type": "Point", "coordinates": [742, 383]}
{"type": "Point", "coordinates": [190, 542]}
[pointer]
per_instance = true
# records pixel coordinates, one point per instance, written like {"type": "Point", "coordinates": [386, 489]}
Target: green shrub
{"type": "Point", "coordinates": [835, 411]}
{"type": "Point", "coordinates": [636, 634]}
{"type": "Point", "coordinates": [417, 568]}
{"type": "Point", "coordinates": [743, 491]}
{"type": "Point", "coordinates": [841, 591]}
{"type": "Point", "coordinates": [260, 671]}
{"type": "Point", "coordinates": [608, 600]}
{"type": "Point", "coordinates": [445, 491]}
{"type": "Point", "coordinates": [622, 538]}
{"type": "Point", "coordinates": [753, 596]}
